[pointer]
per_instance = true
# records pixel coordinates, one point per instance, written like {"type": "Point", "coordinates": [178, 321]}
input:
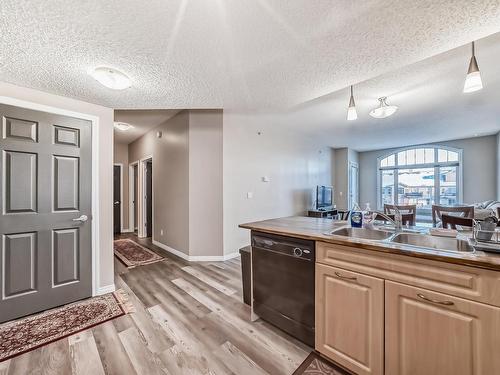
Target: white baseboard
{"type": "Point", "coordinates": [127, 230]}
{"type": "Point", "coordinates": [105, 289]}
{"type": "Point", "coordinates": [196, 258]}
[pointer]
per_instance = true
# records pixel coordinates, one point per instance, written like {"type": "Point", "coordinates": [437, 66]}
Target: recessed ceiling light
{"type": "Point", "coordinates": [122, 126]}
{"type": "Point", "coordinates": [473, 80]}
{"type": "Point", "coordinates": [111, 78]}
{"type": "Point", "coordinates": [383, 110]}
{"type": "Point", "coordinates": [351, 110]}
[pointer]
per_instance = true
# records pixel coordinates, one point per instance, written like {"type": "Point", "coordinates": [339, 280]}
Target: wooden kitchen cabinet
{"type": "Point", "coordinates": [350, 319]}
{"type": "Point", "coordinates": [434, 333]}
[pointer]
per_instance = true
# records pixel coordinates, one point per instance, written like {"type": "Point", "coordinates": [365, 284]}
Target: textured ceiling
{"type": "Point", "coordinates": [141, 120]}
{"type": "Point", "coordinates": [432, 106]}
{"type": "Point", "coordinates": [245, 54]}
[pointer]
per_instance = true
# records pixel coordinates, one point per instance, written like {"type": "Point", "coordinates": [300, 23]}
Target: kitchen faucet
{"type": "Point", "coordinates": [397, 221]}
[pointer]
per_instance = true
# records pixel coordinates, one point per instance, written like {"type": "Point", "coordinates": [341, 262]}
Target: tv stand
{"type": "Point", "coordinates": [322, 212]}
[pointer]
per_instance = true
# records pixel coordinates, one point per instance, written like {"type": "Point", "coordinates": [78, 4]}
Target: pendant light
{"type": "Point", "coordinates": [473, 80]}
{"type": "Point", "coordinates": [383, 110]}
{"type": "Point", "coordinates": [351, 110]}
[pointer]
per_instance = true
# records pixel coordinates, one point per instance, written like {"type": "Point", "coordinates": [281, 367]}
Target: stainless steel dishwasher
{"type": "Point", "coordinates": [283, 283]}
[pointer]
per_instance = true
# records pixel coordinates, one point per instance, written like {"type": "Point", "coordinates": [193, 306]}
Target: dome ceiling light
{"type": "Point", "coordinates": [473, 80]}
{"type": "Point", "coordinates": [383, 110]}
{"type": "Point", "coordinates": [111, 78]}
{"type": "Point", "coordinates": [122, 126]}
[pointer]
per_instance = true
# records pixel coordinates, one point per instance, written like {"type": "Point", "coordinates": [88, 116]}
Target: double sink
{"type": "Point", "coordinates": [407, 238]}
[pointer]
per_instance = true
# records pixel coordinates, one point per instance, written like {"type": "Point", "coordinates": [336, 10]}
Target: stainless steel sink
{"type": "Point", "coordinates": [363, 233]}
{"type": "Point", "coordinates": [433, 242]}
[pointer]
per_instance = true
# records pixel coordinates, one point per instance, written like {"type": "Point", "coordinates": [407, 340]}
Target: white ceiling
{"type": "Point", "coordinates": [246, 54]}
{"type": "Point", "coordinates": [141, 120]}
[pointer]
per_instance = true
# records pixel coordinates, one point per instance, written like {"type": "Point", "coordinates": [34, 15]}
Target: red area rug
{"type": "Point", "coordinates": [314, 364]}
{"type": "Point", "coordinates": [22, 335]}
{"type": "Point", "coordinates": [132, 254]}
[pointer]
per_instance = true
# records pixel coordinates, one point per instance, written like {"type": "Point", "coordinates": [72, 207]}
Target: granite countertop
{"type": "Point", "coordinates": [318, 229]}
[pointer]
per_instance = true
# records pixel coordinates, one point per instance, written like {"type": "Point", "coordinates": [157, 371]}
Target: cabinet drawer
{"type": "Point", "coordinates": [467, 282]}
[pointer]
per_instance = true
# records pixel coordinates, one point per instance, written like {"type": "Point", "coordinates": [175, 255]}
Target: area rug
{"type": "Point", "coordinates": [314, 364]}
{"type": "Point", "coordinates": [132, 254]}
{"type": "Point", "coordinates": [22, 335]}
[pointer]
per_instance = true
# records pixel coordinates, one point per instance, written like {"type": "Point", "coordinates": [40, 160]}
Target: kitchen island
{"type": "Point", "coordinates": [385, 307]}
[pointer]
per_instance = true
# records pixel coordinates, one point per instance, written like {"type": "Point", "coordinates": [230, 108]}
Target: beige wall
{"type": "Point", "coordinates": [170, 179]}
{"type": "Point", "coordinates": [121, 157]}
{"type": "Point", "coordinates": [294, 164]}
{"type": "Point", "coordinates": [205, 183]}
{"type": "Point", "coordinates": [498, 166]}
{"type": "Point", "coordinates": [105, 173]}
{"type": "Point", "coordinates": [479, 170]}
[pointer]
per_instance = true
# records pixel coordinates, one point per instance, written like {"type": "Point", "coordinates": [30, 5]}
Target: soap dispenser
{"type": "Point", "coordinates": [356, 216]}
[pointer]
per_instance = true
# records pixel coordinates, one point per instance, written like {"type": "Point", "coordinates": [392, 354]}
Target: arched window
{"type": "Point", "coordinates": [422, 175]}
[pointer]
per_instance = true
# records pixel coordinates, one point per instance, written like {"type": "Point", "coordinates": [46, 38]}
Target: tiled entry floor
{"type": "Point", "coordinates": [190, 319]}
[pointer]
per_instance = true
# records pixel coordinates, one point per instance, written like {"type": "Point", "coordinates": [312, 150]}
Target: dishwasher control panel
{"type": "Point", "coordinates": [290, 246]}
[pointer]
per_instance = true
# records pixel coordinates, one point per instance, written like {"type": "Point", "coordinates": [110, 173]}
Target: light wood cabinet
{"type": "Point", "coordinates": [434, 333]}
{"type": "Point", "coordinates": [350, 319]}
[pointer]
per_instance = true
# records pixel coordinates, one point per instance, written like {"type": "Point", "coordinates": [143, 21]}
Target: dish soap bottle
{"type": "Point", "coordinates": [356, 217]}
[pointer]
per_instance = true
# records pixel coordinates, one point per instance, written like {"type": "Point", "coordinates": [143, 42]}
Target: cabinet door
{"type": "Point", "coordinates": [433, 333]}
{"type": "Point", "coordinates": [350, 319]}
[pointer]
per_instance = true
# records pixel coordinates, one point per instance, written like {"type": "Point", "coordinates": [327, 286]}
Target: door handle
{"type": "Point", "coordinates": [446, 303]}
{"type": "Point", "coordinates": [81, 219]}
{"type": "Point", "coordinates": [117, 202]}
{"type": "Point", "coordinates": [345, 277]}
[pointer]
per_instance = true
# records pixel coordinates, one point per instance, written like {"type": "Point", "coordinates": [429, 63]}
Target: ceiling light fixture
{"type": "Point", "coordinates": [473, 80]}
{"type": "Point", "coordinates": [111, 78]}
{"type": "Point", "coordinates": [122, 126]}
{"type": "Point", "coordinates": [383, 110]}
{"type": "Point", "coordinates": [351, 110]}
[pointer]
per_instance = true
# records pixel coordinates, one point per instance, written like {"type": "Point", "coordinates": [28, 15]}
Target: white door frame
{"type": "Point", "coordinates": [122, 228]}
{"type": "Point", "coordinates": [131, 194]}
{"type": "Point", "coordinates": [350, 199]}
{"type": "Point", "coordinates": [95, 175]}
{"type": "Point", "coordinates": [141, 187]}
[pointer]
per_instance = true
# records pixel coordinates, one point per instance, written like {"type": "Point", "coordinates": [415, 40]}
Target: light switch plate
{"type": "Point", "coordinates": [250, 195]}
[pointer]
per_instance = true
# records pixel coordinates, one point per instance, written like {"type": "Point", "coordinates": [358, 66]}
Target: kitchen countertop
{"type": "Point", "coordinates": [317, 229]}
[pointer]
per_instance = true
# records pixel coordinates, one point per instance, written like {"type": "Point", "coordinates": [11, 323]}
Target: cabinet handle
{"type": "Point", "coordinates": [345, 277]}
{"type": "Point", "coordinates": [446, 303]}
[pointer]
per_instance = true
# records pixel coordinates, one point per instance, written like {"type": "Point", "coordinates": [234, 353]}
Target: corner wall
{"type": "Point", "coordinates": [121, 157]}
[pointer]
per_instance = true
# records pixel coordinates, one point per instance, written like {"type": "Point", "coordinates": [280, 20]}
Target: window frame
{"type": "Point", "coordinates": [436, 165]}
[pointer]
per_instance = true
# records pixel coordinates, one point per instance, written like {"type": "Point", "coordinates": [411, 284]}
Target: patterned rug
{"type": "Point", "coordinates": [314, 364]}
{"type": "Point", "coordinates": [132, 254]}
{"type": "Point", "coordinates": [21, 336]}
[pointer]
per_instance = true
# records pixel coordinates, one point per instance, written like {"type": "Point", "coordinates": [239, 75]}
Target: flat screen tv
{"type": "Point", "coordinates": [324, 197]}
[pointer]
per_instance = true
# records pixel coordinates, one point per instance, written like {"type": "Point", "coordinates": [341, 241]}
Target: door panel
{"type": "Point", "coordinates": [20, 182]}
{"type": "Point", "coordinates": [45, 183]}
{"type": "Point", "coordinates": [66, 183]}
{"type": "Point", "coordinates": [434, 333]}
{"type": "Point", "coordinates": [66, 256]}
{"type": "Point", "coordinates": [20, 129]}
{"type": "Point", "coordinates": [149, 199]}
{"type": "Point", "coordinates": [20, 258]}
{"type": "Point", "coordinates": [350, 319]}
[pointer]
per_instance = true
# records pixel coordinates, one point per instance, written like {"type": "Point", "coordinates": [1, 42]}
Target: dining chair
{"type": "Point", "coordinates": [343, 214]}
{"type": "Point", "coordinates": [451, 221]}
{"type": "Point", "coordinates": [410, 210]}
{"type": "Point", "coordinates": [460, 211]}
{"type": "Point", "coordinates": [407, 219]}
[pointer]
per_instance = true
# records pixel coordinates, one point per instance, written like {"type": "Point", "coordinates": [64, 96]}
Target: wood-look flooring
{"type": "Point", "coordinates": [189, 319]}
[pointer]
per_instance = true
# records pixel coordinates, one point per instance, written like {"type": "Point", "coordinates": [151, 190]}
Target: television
{"type": "Point", "coordinates": [324, 197]}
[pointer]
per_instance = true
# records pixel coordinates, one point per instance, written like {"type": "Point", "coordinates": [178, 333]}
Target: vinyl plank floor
{"type": "Point", "coordinates": [190, 320]}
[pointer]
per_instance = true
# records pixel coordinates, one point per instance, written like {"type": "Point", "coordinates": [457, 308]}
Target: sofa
{"type": "Point", "coordinates": [485, 209]}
